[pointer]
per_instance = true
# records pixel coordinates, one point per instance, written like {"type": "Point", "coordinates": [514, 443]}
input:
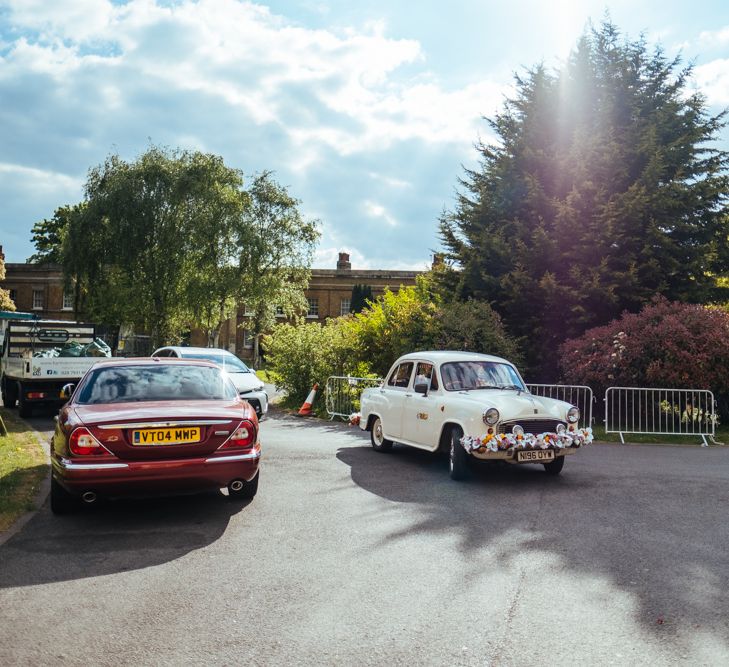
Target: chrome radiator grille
{"type": "Point", "coordinates": [534, 426]}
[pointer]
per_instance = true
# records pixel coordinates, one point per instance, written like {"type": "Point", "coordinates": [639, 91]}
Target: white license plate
{"type": "Point", "coordinates": [535, 455]}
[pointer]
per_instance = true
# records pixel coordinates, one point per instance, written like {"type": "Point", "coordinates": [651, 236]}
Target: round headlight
{"type": "Point", "coordinates": [517, 430]}
{"type": "Point", "coordinates": [561, 429]}
{"type": "Point", "coordinates": [491, 416]}
{"type": "Point", "coordinates": [573, 415]}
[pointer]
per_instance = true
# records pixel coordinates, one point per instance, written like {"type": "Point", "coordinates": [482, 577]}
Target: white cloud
{"type": "Point", "coordinates": [325, 108]}
{"type": "Point", "coordinates": [39, 179]}
{"type": "Point", "coordinates": [255, 61]}
{"type": "Point", "coordinates": [712, 80]}
{"type": "Point", "coordinates": [713, 37]}
{"type": "Point", "coordinates": [378, 211]}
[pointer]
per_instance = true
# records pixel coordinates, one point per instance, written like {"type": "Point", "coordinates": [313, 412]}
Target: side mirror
{"type": "Point", "coordinates": [67, 390]}
{"type": "Point", "coordinates": [421, 387]}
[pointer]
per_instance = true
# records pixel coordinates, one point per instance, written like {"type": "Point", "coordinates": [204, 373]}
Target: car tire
{"type": "Point", "coordinates": [554, 467]}
{"type": "Point", "coordinates": [62, 502]}
{"type": "Point", "coordinates": [247, 491]}
{"type": "Point", "coordinates": [379, 442]}
{"type": "Point", "coordinates": [458, 458]}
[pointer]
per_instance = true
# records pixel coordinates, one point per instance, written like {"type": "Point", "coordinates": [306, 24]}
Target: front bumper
{"type": "Point", "coordinates": [510, 455]}
{"type": "Point", "coordinates": [122, 478]}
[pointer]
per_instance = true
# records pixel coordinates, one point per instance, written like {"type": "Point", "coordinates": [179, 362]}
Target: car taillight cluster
{"type": "Point", "coordinates": [243, 436]}
{"type": "Point", "coordinates": [82, 443]}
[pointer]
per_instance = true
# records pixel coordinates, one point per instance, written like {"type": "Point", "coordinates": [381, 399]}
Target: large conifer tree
{"type": "Point", "coordinates": [602, 189]}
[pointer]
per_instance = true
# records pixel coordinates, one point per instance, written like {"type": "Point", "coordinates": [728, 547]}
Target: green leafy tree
{"type": "Point", "coordinates": [601, 190]}
{"type": "Point", "coordinates": [6, 303]}
{"type": "Point", "coordinates": [361, 296]}
{"type": "Point", "coordinates": [48, 236]}
{"type": "Point", "coordinates": [276, 249]}
{"type": "Point", "coordinates": [173, 240]}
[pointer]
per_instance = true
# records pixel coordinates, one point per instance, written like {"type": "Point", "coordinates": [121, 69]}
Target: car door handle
{"type": "Point", "coordinates": [409, 395]}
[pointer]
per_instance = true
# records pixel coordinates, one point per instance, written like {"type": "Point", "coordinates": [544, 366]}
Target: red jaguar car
{"type": "Point", "coordinates": [141, 427]}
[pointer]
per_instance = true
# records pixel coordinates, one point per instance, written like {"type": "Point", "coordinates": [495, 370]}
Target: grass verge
{"type": "Point", "coordinates": [263, 375]}
{"type": "Point", "coordinates": [22, 469]}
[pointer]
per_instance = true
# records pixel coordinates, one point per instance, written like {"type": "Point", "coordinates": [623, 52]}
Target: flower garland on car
{"type": "Point", "coordinates": [494, 442]}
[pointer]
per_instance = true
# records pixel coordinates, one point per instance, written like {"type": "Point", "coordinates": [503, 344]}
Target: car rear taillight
{"type": "Point", "coordinates": [82, 443]}
{"type": "Point", "coordinates": [243, 436]}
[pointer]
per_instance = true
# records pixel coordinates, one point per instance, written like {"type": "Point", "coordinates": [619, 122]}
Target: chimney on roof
{"type": "Point", "coordinates": [344, 264]}
{"type": "Point", "coordinates": [438, 260]}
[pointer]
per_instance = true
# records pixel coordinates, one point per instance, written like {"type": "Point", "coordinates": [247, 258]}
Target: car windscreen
{"type": "Point", "coordinates": [466, 375]}
{"type": "Point", "coordinates": [168, 382]}
{"type": "Point", "coordinates": [228, 362]}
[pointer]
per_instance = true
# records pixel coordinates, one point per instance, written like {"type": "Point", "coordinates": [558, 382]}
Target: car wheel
{"type": "Point", "coordinates": [379, 442]}
{"type": "Point", "coordinates": [458, 458]}
{"type": "Point", "coordinates": [62, 502]}
{"type": "Point", "coordinates": [555, 467]}
{"type": "Point", "coordinates": [239, 488]}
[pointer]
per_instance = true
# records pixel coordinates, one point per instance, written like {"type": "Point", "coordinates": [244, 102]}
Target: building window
{"type": "Point", "coordinates": [247, 339]}
{"type": "Point", "coordinates": [13, 295]}
{"type": "Point", "coordinates": [313, 308]}
{"type": "Point", "coordinates": [247, 312]}
{"type": "Point", "coordinates": [37, 299]}
{"type": "Point", "coordinates": [280, 311]}
{"type": "Point", "coordinates": [67, 301]}
{"type": "Point", "coordinates": [344, 306]}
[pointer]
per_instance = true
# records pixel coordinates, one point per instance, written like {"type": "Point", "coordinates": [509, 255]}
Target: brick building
{"type": "Point", "coordinates": [329, 295]}
{"type": "Point", "coordinates": [38, 288]}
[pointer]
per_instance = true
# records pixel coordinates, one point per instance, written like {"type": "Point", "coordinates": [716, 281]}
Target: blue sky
{"type": "Point", "coordinates": [366, 111]}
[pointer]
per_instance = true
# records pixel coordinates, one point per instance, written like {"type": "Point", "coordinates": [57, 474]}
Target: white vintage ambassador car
{"type": "Point", "coordinates": [473, 406]}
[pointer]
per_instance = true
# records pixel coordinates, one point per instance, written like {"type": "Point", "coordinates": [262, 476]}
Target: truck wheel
{"type": "Point", "coordinates": [458, 458]}
{"type": "Point", "coordinates": [9, 396]}
{"type": "Point", "coordinates": [24, 408]}
{"type": "Point", "coordinates": [555, 467]}
{"type": "Point", "coordinates": [62, 502]}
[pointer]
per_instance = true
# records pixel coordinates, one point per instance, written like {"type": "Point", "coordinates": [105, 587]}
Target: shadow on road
{"type": "Point", "coordinates": [635, 516]}
{"type": "Point", "coordinates": [113, 537]}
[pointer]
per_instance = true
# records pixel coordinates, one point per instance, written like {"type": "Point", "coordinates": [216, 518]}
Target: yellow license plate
{"type": "Point", "coordinates": [535, 455]}
{"type": "Point", "coordinates": [166, 436]}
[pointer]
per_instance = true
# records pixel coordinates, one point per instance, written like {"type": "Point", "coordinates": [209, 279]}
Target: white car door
{"type": "Point", "coordinates": [421, 415]}
{"type": "Point", "coordinates": [394, 392]}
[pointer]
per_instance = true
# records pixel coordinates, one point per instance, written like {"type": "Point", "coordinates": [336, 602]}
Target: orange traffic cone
{"type": "Point", "coordinates": [305, 409]}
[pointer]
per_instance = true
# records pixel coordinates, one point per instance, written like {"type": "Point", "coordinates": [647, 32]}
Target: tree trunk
{"type": "Point", "coordinates": [255, 351]}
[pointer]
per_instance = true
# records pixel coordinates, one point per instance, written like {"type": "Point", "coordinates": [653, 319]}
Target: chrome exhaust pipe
{"type": "Point", "coordinates": [89, 497]}
{"type": "Point", "coordinates": [236, 485]}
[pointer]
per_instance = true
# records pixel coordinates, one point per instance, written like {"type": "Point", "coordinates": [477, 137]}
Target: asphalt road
{"type": "Point", "coordinates": [352, 557]}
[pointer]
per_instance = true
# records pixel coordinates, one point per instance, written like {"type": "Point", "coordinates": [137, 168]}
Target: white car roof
{"type": "Point", "coordinates": [443, 356]}
{"type": "Point", "coordinates": [195, 350]}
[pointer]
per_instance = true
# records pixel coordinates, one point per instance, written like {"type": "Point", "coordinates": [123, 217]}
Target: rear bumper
{"type": "Point", "coordinates": [119, 478]}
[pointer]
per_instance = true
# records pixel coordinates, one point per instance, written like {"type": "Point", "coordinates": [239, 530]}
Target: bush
{"type": "Point", "coordinates": [300, 356]}
{"type": "Point", "coordinates": [667, 344]}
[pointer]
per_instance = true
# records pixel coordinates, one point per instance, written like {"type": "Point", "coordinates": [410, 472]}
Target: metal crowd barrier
{"type": "Point", "coordinates": [660, 412]}
{"type": "Point", "coordinates": [578, 395]}
{"type": "Point", "coordinates": [343, 392]}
